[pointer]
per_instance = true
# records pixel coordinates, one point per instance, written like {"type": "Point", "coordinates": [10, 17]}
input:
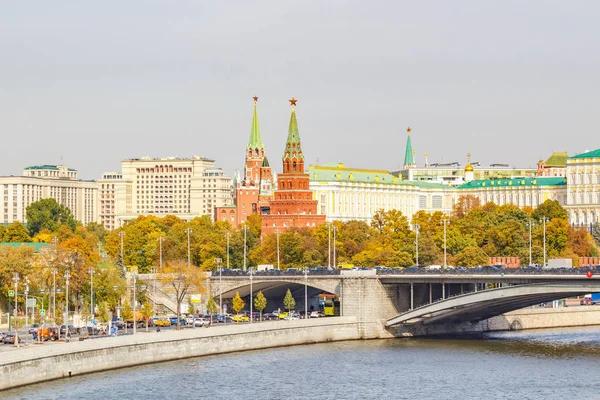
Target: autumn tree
{"type": "Point", "coordinates": [48, 214]}
{"type": "Point", "coordinates": [464, 205]}
{"type": "Point", "coordinates": [179, 278]}
{"type": "Point", "coordinates": [16, 233]}
{"type": "Point", "coordinates": [127, 314]}
{"type": "Point", "coordinates": [212, 307]}
{"type": "Point", "coordinates": [288, 301]}
{"type": "Point", "coordinates": [260, 303]}
{"type": "Point", "coordinates": [549, 209]}
{"type": "Point", "coordinates": [471, 256]}
{"type": "Point", "coordinates": [147, 312]}
{"type": "Point", "coordinates": [237, 303]}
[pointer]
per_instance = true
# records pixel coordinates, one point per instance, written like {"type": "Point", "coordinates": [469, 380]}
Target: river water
{"type": "Point", "coordinates": [542, 364]}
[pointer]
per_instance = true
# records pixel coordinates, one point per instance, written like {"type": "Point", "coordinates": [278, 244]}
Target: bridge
{"type": "Point", "coordinates": [385, 302]}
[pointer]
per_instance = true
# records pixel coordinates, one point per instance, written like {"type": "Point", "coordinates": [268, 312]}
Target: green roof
{"type": "Point", "coordinates": [292, 145]}
{"type": "Point", "coordinates": [265, 163]}
{"type": "Point", "coordinates": [255, 139]}
{"type": "Point", "coordinates": [557, 159]}
{"type": "Point", "coordinates": [545, 181]}
{"type": "Point", "coordinates": [47, 167]}
{"type": "Point", "coordinates": [408, 154]}
{"type": "Point", "coordinates": [356, 175]}
{"type": "Point", "coordinates": [589, 154]}
{"type": "Point", "coordinates": [36, 246]}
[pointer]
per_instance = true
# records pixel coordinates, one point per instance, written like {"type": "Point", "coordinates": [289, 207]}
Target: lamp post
{"type": "Point", "coordinates": [334, 248]}
{"type": "Point", "coordinates": [417, 227]}
{"type": "Point", "coordinates": [530, 258]}
{"type": "Point", "coordinates": [53, 271]}
{"type": "Point", "coordinates": [188, 231]}
{"type": "Point", "coordinates": [26, 298]}
{"type": "Point", "coordinates": [218, 262]}
{"type": "Point", "coordinates": [244, 247]}
{"type": "Point", "coordinates": [67, 276]}
{"type": "Point", "coordinates": [251, 272]}
{"type": "Point", "coordinates": [91, 272]}
{"type": "Point", "coordinates": [305, 293]}
{"type": "Point", "coordinates": [228, 235]}
{"type": "Point", "coordinates": [278, 259]}
{"type": "Point", "coordinates": [16, 280]}
{"type": "Point", "coordinates": [445, 222]}
{"type": "Point", "coordinates": [544, 221]}
{"type": "Point", "coordinates": [329, 246]}
{"type": "Point", "coordinates": [134, 305]}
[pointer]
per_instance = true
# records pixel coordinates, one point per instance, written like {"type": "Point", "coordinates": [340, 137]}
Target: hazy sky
{"type": "Point", "coordinates": [92, 83]}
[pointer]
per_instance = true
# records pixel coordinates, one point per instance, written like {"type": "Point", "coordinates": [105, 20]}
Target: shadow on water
{"type": "Point", "coordinates": [563, 343]}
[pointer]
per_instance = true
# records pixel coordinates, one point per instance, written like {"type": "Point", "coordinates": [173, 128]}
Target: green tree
{"type": "Point", "coordinates": [16, 233]}
{"type": "Point", "coordinates": [212, 307]}
{"type": "Point", "coordinates": [103, 315]}
{"type": "Point", "coordinates": [288, 301]}
{"type": "Point", "coordinates": [550, 209]}
{"type": "Point", "coordinates": [48, 214]}
{"type": "Point", "coordinates": [260, 303]}
{"type": "Point", "coordinates": [471, 256]}
{"type": "Point", "coordinates": [237, 303]}
{"type": "Point", "coordinates": [147, 312]}
{"type": "Point", "coordinates": [127, 314]}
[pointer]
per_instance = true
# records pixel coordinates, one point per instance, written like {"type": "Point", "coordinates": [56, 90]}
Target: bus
{"type": "Point", "coordinates": [329, 304]}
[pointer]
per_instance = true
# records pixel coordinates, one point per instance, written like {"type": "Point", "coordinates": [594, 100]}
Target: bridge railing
{"type": "Point", "coordinates": [276, 272]}
{"type": "Point", "coordinates": [490, 271]}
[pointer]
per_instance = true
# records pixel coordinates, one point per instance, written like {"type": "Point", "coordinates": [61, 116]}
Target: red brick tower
{"type": "Point", "coordinates": [292, 204]}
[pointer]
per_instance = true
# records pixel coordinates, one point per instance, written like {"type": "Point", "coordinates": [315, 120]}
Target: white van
{"type": "Point", "coordinates": [434, 267]}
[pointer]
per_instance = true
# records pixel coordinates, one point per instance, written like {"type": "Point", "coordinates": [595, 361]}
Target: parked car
{"type": "Point", "coordinates": [240, 318]}
{"type": "Point", "coordinates": [90, 330]}
{"type": "Point", "coordinates": [201, 321]}
{"type": "Point", "coordinates": [118, 324]}
{"type": "Point", "coordinates": [163, 322]}
{"type": "Point", "coordinates": [291, 317]}
{"type": "Point", "coordinates": [9, 338]}
{"type": "Point", "coordinates": [72, 330]}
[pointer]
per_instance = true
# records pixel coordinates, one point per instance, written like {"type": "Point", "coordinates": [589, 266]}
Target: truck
{"type": "Point", "coordinates": [590, 299]}
{"type": "Point", "coordinates": [264, 267]}
{"type": "Point", "coordinates": [559, 263]}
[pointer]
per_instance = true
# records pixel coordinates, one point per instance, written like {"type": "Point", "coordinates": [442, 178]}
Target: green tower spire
{"type": "Point", "coordinates": [255, 139]}
{"type": "Point", "coordinates": [409, 161]}
{"type": "Point", "coordinates": [292, 146]}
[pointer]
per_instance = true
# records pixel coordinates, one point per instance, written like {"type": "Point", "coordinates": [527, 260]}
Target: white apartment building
{"type": "Point", "coordinates": [184, 187]}
{"type": "Point", "coordinates": [47, 181]}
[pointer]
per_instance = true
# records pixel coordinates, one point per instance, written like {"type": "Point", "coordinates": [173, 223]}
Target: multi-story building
{"type": "Point", "coordinates": [583, 188]}
{"type": "Point", "coordinates": [47, 181]}
{"type": "Point", "coordinates": [185, 187]}
{"type": "Point", "coordinates": [292, 204]}
{"type": "Point", "coordinates": [346, 194]}
{"type": "Point", "coordinates": [255, 189]}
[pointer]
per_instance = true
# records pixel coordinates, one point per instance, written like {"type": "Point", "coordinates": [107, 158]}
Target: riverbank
{"type": "Point", "coordinates": [39, 363]}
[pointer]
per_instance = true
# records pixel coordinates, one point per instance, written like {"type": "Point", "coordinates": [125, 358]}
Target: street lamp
{"type": "Point", "coordinates": [228, 235]}
{"type": "Point", "coordinates": [53, 270]}
{"type": "Point", "coordinates": [417, 227]}
{"type": "Point", "coordinates": [16, 280]}
{"type": "Point", "coordinates": [160, 240]}
{"type": "Point", "coordinates": [188, 231]}
{"type": "Point", "coordinates": [245, 246]}
{"type": "Point", "coordinates": [305, 293]}
{"type": "Point", "coordinates": [218, 262]}
{"type": "Point", "coordinates": [121, 236]}
{"type": "Point", "coordinates": [530, 260]}
{"type": "Point", "coordinates": [67, 276]}
{"type": "Point", "coordinates": [544, 220]}
{"type": "Point", "coordinates": [445, 222]}
{"type": "Point", "coordinates": [91, 271]}
{"type": "Point", "coordinates": [251, 272]}
{"type": "Point", "coordinates": [278, 258]}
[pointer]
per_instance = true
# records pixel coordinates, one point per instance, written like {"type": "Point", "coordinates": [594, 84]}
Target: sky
{"type": "Point", "coordinates": [87, 84]}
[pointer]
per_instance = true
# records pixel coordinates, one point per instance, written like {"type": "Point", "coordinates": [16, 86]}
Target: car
{"type": "Point", "coordinates": [283, 314]}
{"type": "Point", "coordinates": [118, 324]}
{"type": "Point", "coordinates": [163, 322]}
{"type": "Point", "coordinates": [9, 338]}
{"type": "Point", "coordinates": [240, 318]}
{"type": "Point", "coordinates": [291, 317]}
{"type": "Point", "coordinates": [313, 314]}
{"type": "Point", "coordinates": [88, 330]}
{"type": "Point", "coordinates": [201, 321]}
{"type": "Point", "coordinates": [174, 321]}
{"type": "Point", "coordinates": [71, 329]}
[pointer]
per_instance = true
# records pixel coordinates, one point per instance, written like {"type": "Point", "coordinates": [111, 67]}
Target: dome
{"type": "Point", "coordinates": [469, 168]}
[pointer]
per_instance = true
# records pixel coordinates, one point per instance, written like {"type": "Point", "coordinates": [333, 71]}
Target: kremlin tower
{"type": "Point", "coordinates": [292, 204]}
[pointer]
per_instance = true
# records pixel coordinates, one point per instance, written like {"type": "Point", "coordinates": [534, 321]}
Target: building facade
{"type": "Point", "coordinates": [47, 181]}
{"type": "Point", "coordinates": [184, 187]}
{"type": "Point", "coordinates": [292, 204]}
{"type": "Point", "coordinates": [555, 165]}
{"type": "Point", "coordinates": [254, 190]}
{"type": "Point", "coordinates": [583, 183]}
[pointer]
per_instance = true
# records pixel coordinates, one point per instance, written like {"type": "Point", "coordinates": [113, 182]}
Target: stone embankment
{"type": "Point", "coordinates": [38, 363]}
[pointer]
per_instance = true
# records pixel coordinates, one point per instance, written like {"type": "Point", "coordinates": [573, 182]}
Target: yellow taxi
{"type": "Point", "coordinates": [240, 318]}
{"type": "Point", "coordinates": [162, 322]}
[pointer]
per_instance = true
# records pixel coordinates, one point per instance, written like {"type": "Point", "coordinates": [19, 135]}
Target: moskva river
{"type": "Point", "coordinates": [545, 364]}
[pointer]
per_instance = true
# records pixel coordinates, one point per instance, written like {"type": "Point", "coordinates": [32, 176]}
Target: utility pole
{"type": "Point", "coordinates": [251, 272]}
{"type": "Point", "coordinates": [16, 280]}
{"type": "Point", "coordinates": [228, 235]}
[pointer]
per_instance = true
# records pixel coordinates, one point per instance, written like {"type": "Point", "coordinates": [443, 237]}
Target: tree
{"type": "Point", "coordinates": [179, 279]}
{"type": "Point", "coordinates": [260, 302]}
{"type": "Point", "coordinates": [464, 205]}
{"type": "Point", "coordinates": [127, 314]}
{"type": "Point", "coordinates": [211, 307]}
{"type": "Point", "coordinates": [16, 233]}
{"type": "Point", "coordinates": [147, 312]}
{"type": "Point", "coordinates": [48, 214]}
{"type": "Point", "coordinates": [289, 301]}
{"type": "Point", "coordinates": [103, 315]}
{"type": "Point", "coordinates": [550, 209]}
{"type": "Point", "coordinates": [237, 303]}
{"type": "Point", "coordinates": [471, 256]}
